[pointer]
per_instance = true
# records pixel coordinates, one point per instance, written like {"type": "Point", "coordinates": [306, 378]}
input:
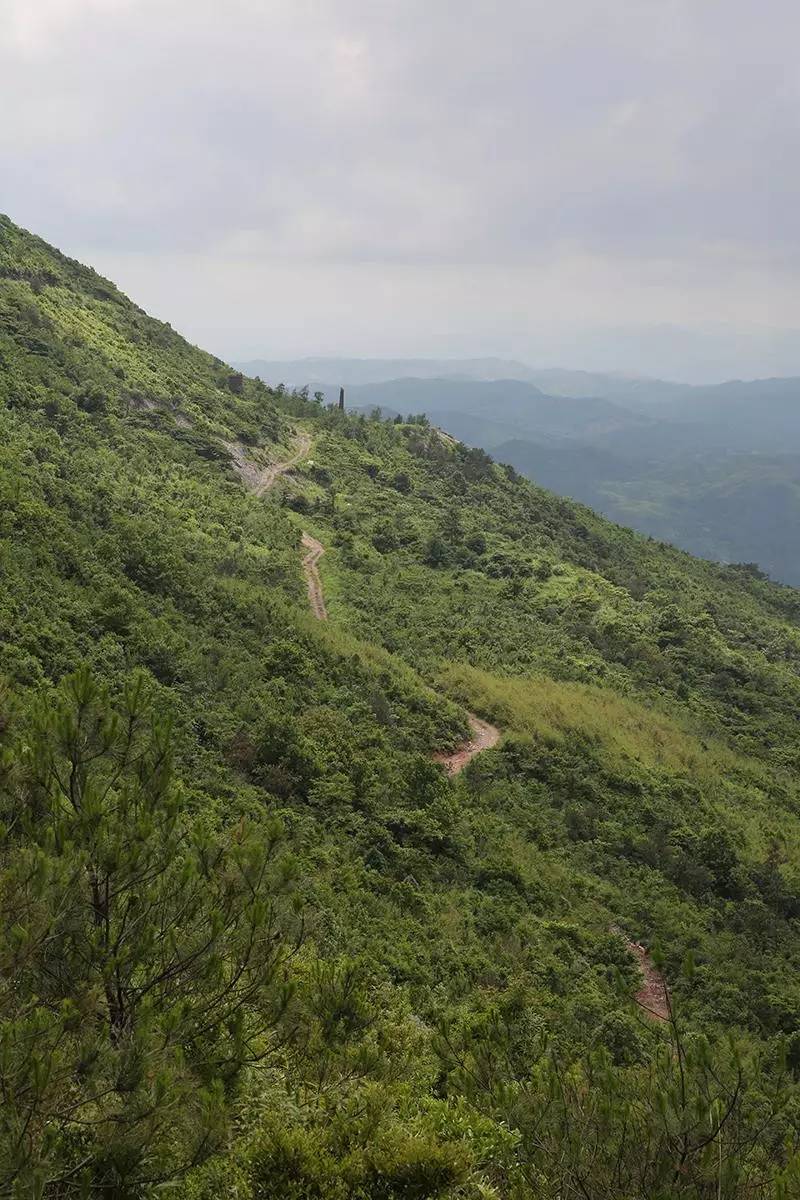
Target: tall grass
{"type": "Point", "coordinates": [552, 710]}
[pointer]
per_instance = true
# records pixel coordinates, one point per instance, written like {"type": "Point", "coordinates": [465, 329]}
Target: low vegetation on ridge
{"type": "Point", "coordinates": [254, 942]}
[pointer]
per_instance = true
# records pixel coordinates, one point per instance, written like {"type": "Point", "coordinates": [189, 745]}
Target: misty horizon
{"type": "Point", "coordinates": [576, 187]}
{"type": "Point", "coordinates": [453, 365]}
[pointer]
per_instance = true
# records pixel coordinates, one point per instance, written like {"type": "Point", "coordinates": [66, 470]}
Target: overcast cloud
{"type": "Point", "coordinates": [580, 183]}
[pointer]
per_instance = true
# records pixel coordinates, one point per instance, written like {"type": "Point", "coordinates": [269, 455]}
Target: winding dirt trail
{"type": "Point", "coordinates": [652, 997]}
{"type": "Point", "coordinates": [314, 552]}
{"type": "Point", "coordinates": [484, 737]}
{"type": "Point", "coordinates": [258, 479]}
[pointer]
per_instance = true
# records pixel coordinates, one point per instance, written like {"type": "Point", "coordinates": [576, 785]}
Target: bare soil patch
{"type": "Point", "coordinates": [259, 479]}
{"type": "Point", "coordinates": [314, 552]}
{"type": "Point", "coordinates": [484, 737]}
{"type": "Point", "coordinates": [652, 996]}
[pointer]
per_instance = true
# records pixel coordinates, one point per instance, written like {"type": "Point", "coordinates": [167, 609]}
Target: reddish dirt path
{"type": "Point", "coordinates": [484, 737]}
{"type": "Point", "coordinates": [260, 479]}
{"type": "Point", "coordinates": [314, 552]}
{"type": "Point", "coordinates": [652, 997]}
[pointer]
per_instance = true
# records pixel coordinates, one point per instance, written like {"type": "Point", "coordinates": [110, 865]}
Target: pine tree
{"type": "Point", "coordinates": [693, 1119]}
{"type": "Point", "coordinates": [142, 956]}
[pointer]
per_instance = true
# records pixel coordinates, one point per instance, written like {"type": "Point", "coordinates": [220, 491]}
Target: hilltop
{"type": "Point", "coordinates": [256, 940]}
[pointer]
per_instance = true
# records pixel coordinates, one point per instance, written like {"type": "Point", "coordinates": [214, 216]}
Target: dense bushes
{"type": "Point", "coordinates": [442, 1005]}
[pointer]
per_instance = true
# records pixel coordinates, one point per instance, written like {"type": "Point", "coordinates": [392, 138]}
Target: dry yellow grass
{"type": "Point", "coordinates": [552, 710]}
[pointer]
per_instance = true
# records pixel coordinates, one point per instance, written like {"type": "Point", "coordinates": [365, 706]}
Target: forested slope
{"type": "Point", "coordinates": [254, 941]}
{"type": "Point", "coordinates": [708, 469]}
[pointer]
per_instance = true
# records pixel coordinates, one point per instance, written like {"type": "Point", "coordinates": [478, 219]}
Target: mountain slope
{"type": "Point", "coordinates": [448, 1005]}
{"type": "Point", "coordinates": [704, 467]}
{"type": "Point", "coordinates": [733, 507]}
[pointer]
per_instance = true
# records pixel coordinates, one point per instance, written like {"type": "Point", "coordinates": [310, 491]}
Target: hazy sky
{"type": "Point", "coordinates": [574, 182]}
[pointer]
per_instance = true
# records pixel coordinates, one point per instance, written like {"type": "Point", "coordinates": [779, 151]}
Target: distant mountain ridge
{"type": "Point", "coordinates": [622, 387]}
{"type": "Point", "coordinates": [235, 875]}
{"type": "Point", "coordinates": [710, 467]}
{"type": "Point", "coordinates": [310, 371]}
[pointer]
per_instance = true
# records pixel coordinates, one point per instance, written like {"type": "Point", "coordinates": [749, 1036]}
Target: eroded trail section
{"type": "Point", "coordinates": [260, 479]}
{"type": "Point", "coordinates": [314, 552]}
{"type": "Point", "coordinates": [484, 737]}
{"type": "Point", "coordinates": [652, 996]}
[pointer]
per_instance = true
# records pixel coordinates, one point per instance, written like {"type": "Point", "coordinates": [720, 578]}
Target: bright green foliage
{"type": "Point", "coordinates": [442, 1005]}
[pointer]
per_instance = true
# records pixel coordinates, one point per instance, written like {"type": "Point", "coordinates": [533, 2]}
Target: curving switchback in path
{"type": "Point", "coordinates": [258, 479]}
{"type": "Point", "coordinates": [484, 737]}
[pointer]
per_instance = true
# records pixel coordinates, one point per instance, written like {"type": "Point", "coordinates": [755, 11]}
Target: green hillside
{"type": "Point", "coordinates": [255, 941]}
{"type": "Point", "coordinates": [708, 469]}
{"type": "Point", "coordinates": [734, 508]}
